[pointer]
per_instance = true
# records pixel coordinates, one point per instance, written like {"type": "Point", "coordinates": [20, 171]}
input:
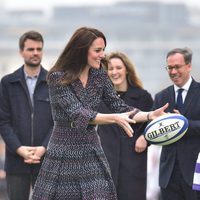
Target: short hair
{"type": "Point", "coordinates": [32, 35]}
{"type": "Point", "coordinates": [186, 52]}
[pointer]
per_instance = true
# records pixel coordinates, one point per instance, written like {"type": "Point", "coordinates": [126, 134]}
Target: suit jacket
{"type": "Point", "coordinates": [20, 122]}
{"type": "Point", "coordinates": [187, 148]}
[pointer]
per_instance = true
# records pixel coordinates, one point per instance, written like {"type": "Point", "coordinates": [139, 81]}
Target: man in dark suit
{"type": "Point", "coordinates": [25, 117]}
{"type": "Point", "coordinates": [177, 162]}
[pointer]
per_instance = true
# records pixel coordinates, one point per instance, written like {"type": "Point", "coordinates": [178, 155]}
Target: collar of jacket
{"type": "Point", "coordinates": [133, 92]}
{"type": "Point", "coordinates": [18, 75]}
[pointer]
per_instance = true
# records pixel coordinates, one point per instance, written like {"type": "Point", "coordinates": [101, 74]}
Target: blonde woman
{"type": "Point", "coordinates": [127, 156]}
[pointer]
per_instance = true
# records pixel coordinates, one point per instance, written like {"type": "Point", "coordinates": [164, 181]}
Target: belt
{"type": "Point", "coordinates": [65, 124]}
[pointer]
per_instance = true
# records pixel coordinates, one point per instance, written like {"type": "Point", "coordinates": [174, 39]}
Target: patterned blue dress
{"type": "Point", "coordinates": [75, 166]}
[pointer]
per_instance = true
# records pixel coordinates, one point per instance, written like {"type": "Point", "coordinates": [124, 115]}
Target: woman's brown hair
{"type": "Point", "coordinates": [73, 59]}
{"type": "Point", "coordinates": [132, 76]}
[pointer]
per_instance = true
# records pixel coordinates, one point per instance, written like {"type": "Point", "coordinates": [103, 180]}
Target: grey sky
{"type": "Point", "coordinates": [47, 4]}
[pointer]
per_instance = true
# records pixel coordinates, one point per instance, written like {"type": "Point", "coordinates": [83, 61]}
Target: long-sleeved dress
{"type": "Point", "coordinates": [75, 166]}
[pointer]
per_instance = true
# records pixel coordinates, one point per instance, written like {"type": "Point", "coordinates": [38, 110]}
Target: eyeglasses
{"type": "Point", "coordinates": [176, 67]}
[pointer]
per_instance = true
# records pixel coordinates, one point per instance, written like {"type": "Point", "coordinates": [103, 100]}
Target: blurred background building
{"type": "Point", "coordinates": [144, 30]}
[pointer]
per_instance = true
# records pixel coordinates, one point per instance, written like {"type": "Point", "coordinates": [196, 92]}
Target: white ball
{"type": "Point", "coordinates": [166, 129]}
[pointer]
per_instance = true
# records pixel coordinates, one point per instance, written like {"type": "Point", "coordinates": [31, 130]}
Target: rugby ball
{"type": "Point", "coordinates": [166, 129]}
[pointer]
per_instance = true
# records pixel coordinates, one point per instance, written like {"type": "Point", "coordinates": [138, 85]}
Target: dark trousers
{"type": "Point", "coordinates": [177, 188]}
{"type": "Point", "coordinates": [19, 186]}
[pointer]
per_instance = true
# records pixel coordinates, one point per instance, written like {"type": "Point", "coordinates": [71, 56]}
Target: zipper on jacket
{"type": "Point", "coordinates": [32, 136]}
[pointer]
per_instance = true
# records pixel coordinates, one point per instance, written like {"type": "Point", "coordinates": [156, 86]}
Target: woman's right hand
{"type": "Point", "coordinates": [124, 121]}
{"type": "Point", "coordinates": [158, 112]}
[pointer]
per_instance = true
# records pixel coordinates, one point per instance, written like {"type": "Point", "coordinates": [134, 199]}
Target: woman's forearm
{"type": "Point", "coordinates": [142, 116]}
{"type": "Point", "coordinates": [104, 119]}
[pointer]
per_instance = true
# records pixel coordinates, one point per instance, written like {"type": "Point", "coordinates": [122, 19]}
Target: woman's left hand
{"type": "Point", "coordinates": [140, 144]}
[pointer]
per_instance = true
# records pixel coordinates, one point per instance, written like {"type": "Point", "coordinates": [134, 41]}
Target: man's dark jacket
{"type": "Point", "coordinates": [20, 122]}
{"type": "Point", "coordinates": [187, 148]}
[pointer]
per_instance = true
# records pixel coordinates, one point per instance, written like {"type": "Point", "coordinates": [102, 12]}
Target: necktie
{"type": "Point", "coordinates": [179, 102]}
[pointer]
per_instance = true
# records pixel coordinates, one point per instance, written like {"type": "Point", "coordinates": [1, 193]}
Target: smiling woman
{"type": "Point", "coordinates": [126, 154]}
{"type": "Point", "coordinates": [75, 166]}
